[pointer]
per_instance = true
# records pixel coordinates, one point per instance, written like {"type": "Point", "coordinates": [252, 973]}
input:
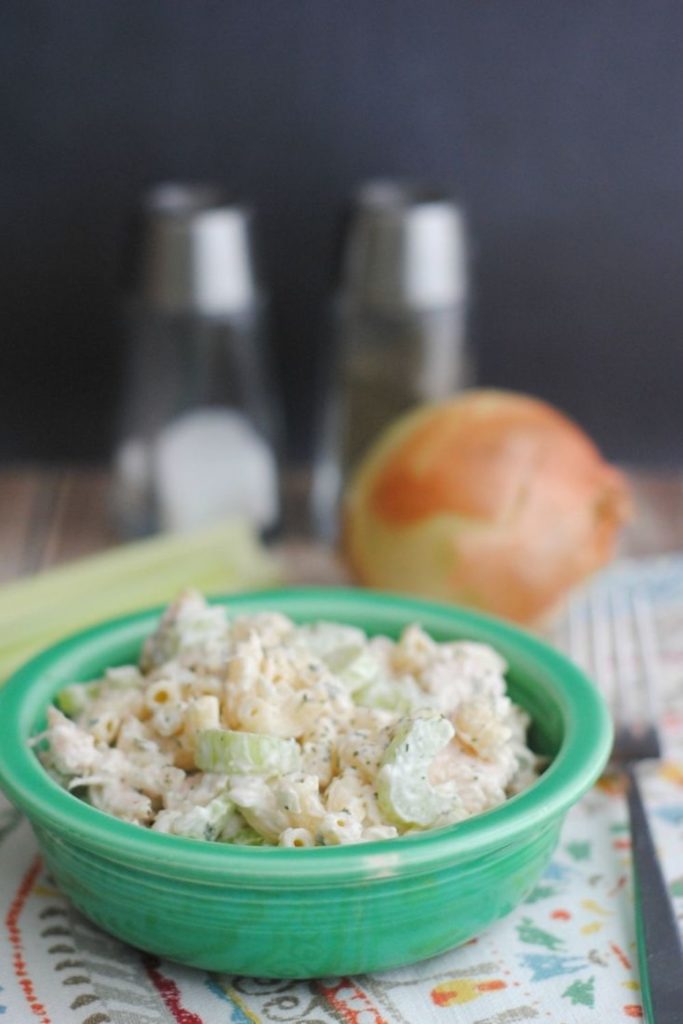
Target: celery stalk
{"type": "Point", "coordinates": [246, 753]}
{"type": "Point", "coordinates": [233, 542]}
{"type": "Point", "coordinates": [38, 610]}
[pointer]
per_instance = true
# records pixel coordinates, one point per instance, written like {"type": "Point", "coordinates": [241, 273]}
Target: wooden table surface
{"type": "Point", "coordinates": [52, 515]}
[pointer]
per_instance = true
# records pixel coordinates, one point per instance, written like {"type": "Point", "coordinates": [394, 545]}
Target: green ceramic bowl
{"type": "Point", "coordinates": [295, 913]}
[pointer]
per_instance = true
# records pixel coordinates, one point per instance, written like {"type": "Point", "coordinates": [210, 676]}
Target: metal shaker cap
{"type": "Point", "coordinates": [193, 251]}
{"type": "Point", "coordinates": [406, 248]}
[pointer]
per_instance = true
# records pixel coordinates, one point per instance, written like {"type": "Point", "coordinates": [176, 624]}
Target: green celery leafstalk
{"type": "Point", "coordinates": [40, 609]}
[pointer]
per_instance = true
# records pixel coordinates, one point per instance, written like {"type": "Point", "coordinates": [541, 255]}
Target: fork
{"type": "Point", "coordinates": [620, 646]}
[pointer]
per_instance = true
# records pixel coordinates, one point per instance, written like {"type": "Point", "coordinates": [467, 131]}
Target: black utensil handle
{"type": "Point", "coordinates": [660, 953]}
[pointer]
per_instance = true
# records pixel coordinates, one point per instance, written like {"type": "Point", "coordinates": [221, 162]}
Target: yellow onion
{"type": "Point", "coordinates": [493, 499]}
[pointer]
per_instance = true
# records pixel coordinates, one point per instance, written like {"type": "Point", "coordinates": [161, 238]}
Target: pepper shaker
{"type": "Point", "coordinates": [400, 326]}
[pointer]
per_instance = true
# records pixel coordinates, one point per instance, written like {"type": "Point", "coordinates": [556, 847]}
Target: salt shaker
{"type": "Point", "coordinates": [199, 430]}
{"type": "Point", "coordinates": [400, 326]}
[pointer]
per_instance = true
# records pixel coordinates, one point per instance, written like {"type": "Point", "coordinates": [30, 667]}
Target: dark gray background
{"type": "Point", "coordinates": [559, 123]}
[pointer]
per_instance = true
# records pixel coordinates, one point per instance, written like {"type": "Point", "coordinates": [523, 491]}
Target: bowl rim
{"type": "Point", "coordinates": [582, 756]}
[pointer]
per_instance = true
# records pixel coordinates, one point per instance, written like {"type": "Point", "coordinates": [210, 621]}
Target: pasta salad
{"type": "Point", "coordinates": [256, 730]}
